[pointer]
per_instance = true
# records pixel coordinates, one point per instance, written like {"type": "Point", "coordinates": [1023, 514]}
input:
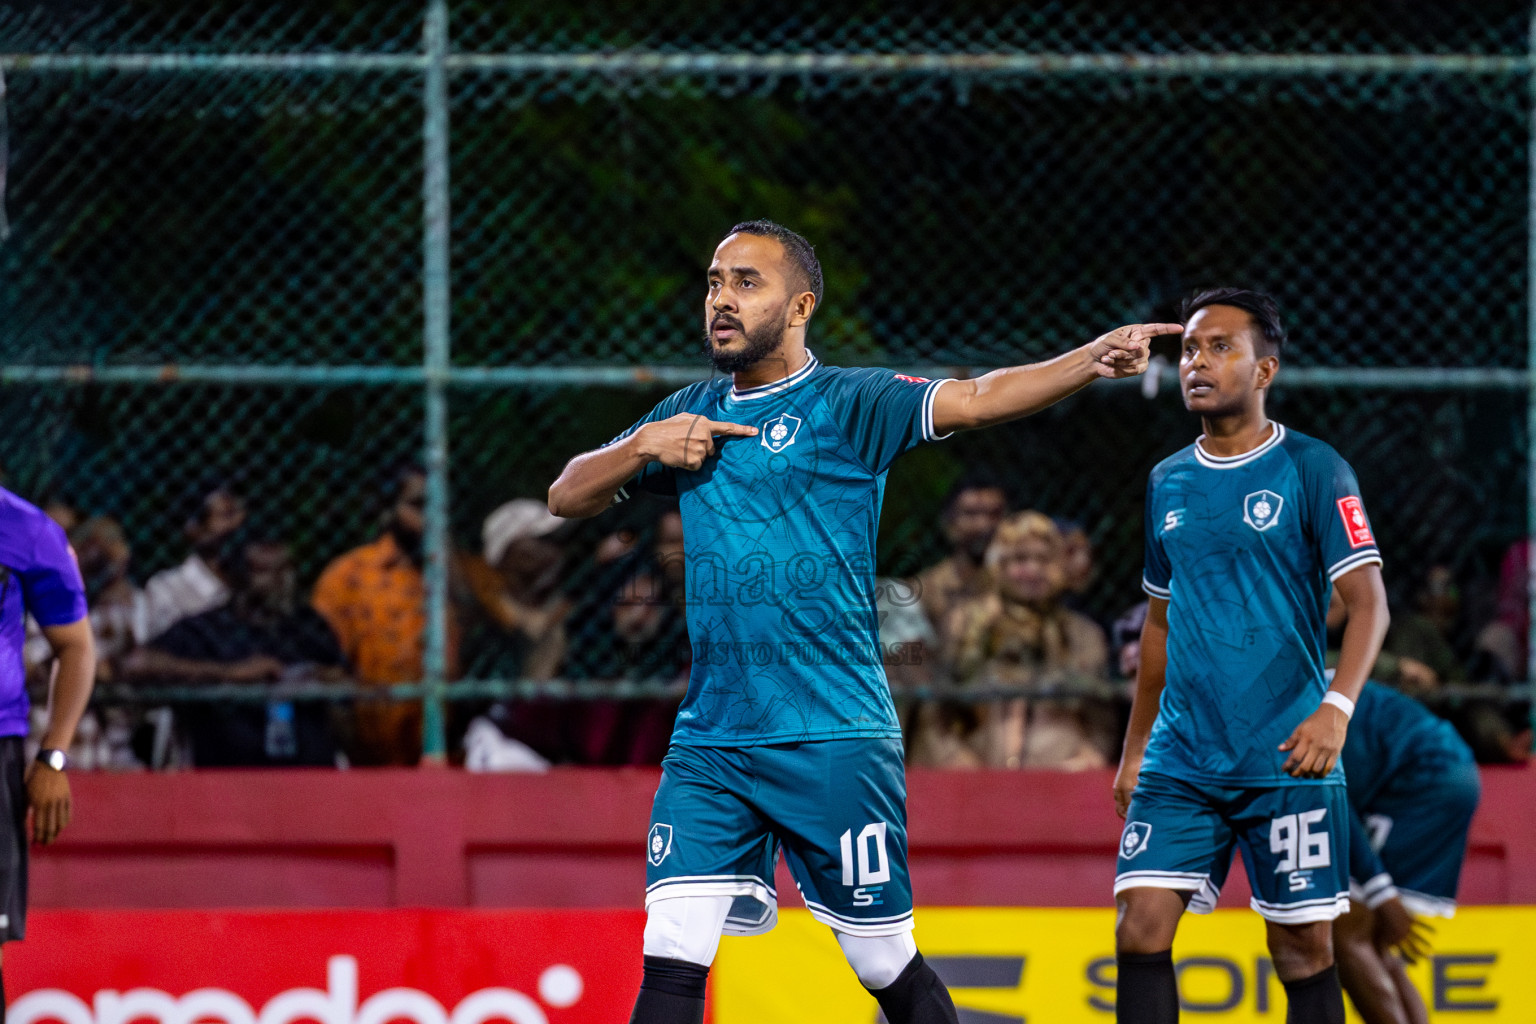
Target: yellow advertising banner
{"type": "Point", "coordinates": [1038, 966]}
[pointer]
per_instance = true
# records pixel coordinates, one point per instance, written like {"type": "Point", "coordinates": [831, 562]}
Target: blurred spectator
{"type": "Point", "coordinates": [516, 584]}
{"type": "Point", "coordinates": [1423, 636]}
{"type": "Point", "coordinates": [1125, 636]}
{"type": "Point", "coordinates": [1497, 731]}
{"type": "Point", "coordinates": [119, 617]}
{"type": "Point", "coordinates": [636, 631]}
{"type": "Point", "coordinates": [374, 598]}
{"type": "Point", "coordinates": [649, 618]}
{"type": "Point", "coordinates": [1078, 565]}
{"type": "Point", "coordinates": [62, 512]}
{"type": "Point", "coordinates": [261, 636]}
{"type": "Point", "coordinates": [1020, 638]}
{"type": "Point", "coordinates": [907, 639]}
{"type": "Point", "coordinates": [1402, 671]}
{"type": "Point", "coordinates": [200, 583]}
{"type": "Point", "coordinates": [971, 513]}
{"type": "Point", "coordinates": [1503, 642]}
{"type": "Point", "coordinates": [119, 610]}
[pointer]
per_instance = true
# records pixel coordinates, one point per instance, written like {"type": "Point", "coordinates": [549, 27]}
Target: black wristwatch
{"type": "Point", "coordinates": [54, 759]}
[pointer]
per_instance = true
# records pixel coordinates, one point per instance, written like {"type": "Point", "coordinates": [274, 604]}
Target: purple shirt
{"type": "Point", "coordinates": [38, 575]}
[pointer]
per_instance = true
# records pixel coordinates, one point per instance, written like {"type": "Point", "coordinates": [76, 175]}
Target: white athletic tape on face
{"type": "Point", "coordinates": [686, 927]}
{"type": "Point", "coordinates": [878, 960]}
{"type": "Point", "coordinates": [1341, 702]}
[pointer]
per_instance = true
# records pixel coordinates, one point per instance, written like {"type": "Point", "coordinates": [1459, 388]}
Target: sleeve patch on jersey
{"type": "Point", "coordinates": [911, 379]}
{"type": "Point", "coordinates": [1355, 524]}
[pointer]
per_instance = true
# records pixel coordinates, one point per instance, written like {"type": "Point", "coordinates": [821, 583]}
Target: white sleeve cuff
{"type": "Point", "coordinates": [1155, 590]}
{"type": "Point", "coordinates": [1355, 561]}
{"type": "Point", "coordinates": [929, 397]}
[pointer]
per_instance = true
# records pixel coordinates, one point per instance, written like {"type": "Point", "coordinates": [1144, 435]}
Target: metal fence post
{"type": "Point", "coordinates": [435, 300]}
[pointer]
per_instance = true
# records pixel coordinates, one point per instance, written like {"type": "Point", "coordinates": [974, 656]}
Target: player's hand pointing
{"type": "Point", "coordinates": [1315, 744]}
{"type": "Point", "coordinates": [684, 441]}
{"type": "Point", "coordinates": [1124, 351]}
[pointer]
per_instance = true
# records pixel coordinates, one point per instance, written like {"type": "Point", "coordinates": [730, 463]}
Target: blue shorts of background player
{"type": "Point", "coordinates": [1294, 841]}
{"type": "Point", "coordinates": [1418, 829]}
{"type": "Point", "coordinates": [836, 808]}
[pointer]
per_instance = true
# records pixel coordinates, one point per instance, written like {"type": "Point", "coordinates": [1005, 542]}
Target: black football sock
{"type": "Point", "coordinates": [1147, 990]}
{"type": "Point", "coordinates": [1315, 1000]}
{"type": "Point", "coordinates": [917, 996]}
{"type": "Point", "coordinates": [671, 992]}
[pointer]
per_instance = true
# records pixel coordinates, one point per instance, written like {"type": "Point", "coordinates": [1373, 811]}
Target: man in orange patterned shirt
{"type": "Point", "coordinates": [374, 598]}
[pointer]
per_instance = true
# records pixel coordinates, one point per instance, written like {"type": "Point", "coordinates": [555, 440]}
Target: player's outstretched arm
{"type": "Point", "coordinates": [1315, 744]}
{"type": "Point", "coordinates": [1016, 391]}
{"type": "Point", "coordinates": [1150, 677]}
{"type": "Point", "coordinates": [75, 675]}
{"type": "Point", "coordinates": [589, 481]}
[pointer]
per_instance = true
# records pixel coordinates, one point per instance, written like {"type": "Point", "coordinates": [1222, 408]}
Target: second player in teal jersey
{"type": "Point", "coordinates": [1235, 733]}
{"type": "Point", "coordinates": [1413, 788]}
{"type": "Point", "coordinates": [787, 738]}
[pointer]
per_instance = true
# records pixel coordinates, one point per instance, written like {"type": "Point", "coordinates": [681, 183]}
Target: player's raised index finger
{"type": "Point", "coordinates": [730, 429]}
{"type": "Point", "coordinates": [1155, 330]}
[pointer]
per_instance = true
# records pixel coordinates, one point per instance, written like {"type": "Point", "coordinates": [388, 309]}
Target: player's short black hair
{"type": "Point", "coordinates": [800, 252]}
{"type": "Point", "coordinates": [1261, 308]}
{"type": "Point", "coordinates": [975, 480]}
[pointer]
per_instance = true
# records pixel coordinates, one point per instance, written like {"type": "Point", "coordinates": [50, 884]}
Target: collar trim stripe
{"type": "Point", "coordinates": [777, 386]}
{"type": "Point", "coordinates": [1210, 461]}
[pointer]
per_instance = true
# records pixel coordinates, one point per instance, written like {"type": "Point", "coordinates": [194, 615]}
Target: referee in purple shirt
{"type": "Point", "coordinates": [38, 577]}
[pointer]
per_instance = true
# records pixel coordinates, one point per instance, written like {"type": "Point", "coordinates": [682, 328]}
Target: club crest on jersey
{"type": "Point", "coordinates": [659, 843]}
{"type": "Point", "coordinates": [1261, 509]}
{"type": "Point", "coordinates": [1134, 839]}
{"type": "Point", "coordinates": [779, 432]}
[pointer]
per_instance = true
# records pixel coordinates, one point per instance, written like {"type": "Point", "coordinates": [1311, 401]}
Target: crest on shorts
{"type": "Point", "coordinates": [1134, 839]}
{"type": "Point", "coordinates": [659, 843]}
{"type": "Point", "coordinates": [1261, 509]}
{"type": "Point", "coordinates": [779, 432]}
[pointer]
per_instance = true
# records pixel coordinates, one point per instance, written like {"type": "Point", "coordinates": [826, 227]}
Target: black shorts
{"type": "Point", "coordinates": [13, 838]}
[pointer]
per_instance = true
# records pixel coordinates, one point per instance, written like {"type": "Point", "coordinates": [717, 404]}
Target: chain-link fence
{"type": "Point", "coordinates": [228, 259]}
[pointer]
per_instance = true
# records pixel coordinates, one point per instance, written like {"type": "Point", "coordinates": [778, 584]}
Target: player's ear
{"type": "Point", "coordinates": [1268, 367]}
{"type": "Point", "coordinates": [801, 308]}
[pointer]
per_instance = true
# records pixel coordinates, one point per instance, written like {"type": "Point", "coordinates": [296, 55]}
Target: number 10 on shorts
{"type": "Point", "coordinates": [874, 868]}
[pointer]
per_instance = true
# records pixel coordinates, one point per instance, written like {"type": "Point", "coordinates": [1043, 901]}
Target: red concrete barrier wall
{"type": "Point", "coordinates": [575, 837]}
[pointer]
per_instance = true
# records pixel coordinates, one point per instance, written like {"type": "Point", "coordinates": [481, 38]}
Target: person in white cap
{"type": "Point", "coordinates": [517, 582]}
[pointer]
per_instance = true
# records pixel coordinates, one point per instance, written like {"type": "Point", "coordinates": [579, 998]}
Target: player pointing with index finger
{"type": "Point", "coordinates": [787, 734]}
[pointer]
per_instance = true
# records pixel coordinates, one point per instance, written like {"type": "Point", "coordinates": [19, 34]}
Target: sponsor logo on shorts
{"type": "Point", "coordinates": [1261, 509]}
{"type": "Point", "coordinates": [1135, 838]}
{"type": "Point", "coordinates": [659, 843]}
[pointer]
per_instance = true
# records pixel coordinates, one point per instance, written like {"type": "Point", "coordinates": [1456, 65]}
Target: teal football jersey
{"type": "Point", "coordinates": [1391, 733]}
{"type": "Point", "coordinates": [779, 532]}
{"type": "Point", "coordinates": [1244, 550]}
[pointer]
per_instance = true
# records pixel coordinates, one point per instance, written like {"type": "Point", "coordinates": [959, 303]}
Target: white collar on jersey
{"type": "Point", "coordinates": [782, 384]}
{"type": "Point", "coordinates": [1233, 461]}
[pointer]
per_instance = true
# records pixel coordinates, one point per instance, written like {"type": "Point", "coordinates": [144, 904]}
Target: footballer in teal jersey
{"type": "Point", "coordinates": [787, 739]}
{"type": "Point", "coordinates": [1413, 788]}
{"type": "Point", "coordinates": [1235, 731]}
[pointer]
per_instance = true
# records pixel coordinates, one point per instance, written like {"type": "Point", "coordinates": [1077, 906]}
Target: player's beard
{"type": "Point", "coordinates": [763, 341]}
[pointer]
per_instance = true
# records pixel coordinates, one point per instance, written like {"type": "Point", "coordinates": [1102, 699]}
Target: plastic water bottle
{"type": "Point", "coordinates": [282, 740]}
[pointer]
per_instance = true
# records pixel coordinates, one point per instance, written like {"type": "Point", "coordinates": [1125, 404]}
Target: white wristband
{"type": "Point", "coordinates": [1341, 702]}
